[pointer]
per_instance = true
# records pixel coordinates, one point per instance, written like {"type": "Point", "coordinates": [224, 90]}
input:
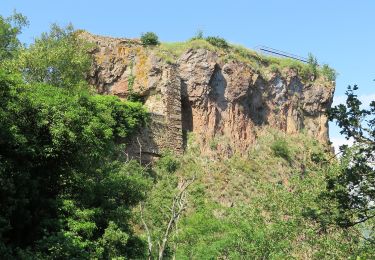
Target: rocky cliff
{"type": "Point", "coordinates": [223, 96]}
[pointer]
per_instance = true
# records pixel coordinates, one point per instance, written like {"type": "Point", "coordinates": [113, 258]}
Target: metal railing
{"type": "Point", "coordinates": [273, 52]}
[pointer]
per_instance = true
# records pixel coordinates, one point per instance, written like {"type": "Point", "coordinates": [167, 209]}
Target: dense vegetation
{"type": "Point", "coordinates": [64, 191]}
{"type": "Point", "coordinates": [68, 192]}
{"type": "Point", "coordinates": [353, 190]}
{"type": "Point", "coordinates": [253, 207]}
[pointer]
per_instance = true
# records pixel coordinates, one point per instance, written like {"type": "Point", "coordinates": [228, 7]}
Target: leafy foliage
{"type": "Point", "coordinates": [10, 28]}
{"type": "Point", "coordinates": [56, 148]}
{"type": "Point", "coordinates": [217, 41]}
{"type": "Point", "coordinates": [313, 64]}
{"type": "Point", "coordinates": [251, 207]}
{"type": "Point", "coordinates": [59, 58]}
{"type": "Point", "coordinates": [280, 149]}
{"type": "Point", "coordinates": [65, 192]}
{"type": "Point", "coordinates": [353, 189]}
{"type": "Point", "coordinates": [149, 39]}
{"type": "Point", "coordinates": [329, 73]}
{"type": "Point", "coordinates": [168, 163]}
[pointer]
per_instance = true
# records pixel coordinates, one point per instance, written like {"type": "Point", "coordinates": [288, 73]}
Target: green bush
{"type": "Point", "coordinates": [168, 162]}
{"type": "Point", "coordinates": [66, 183]}
{"type": "Point", "coordinates": [217, 41]}
{"type": "Point", "coordinates": [58, 58]}
{"type": "Point", "coordinates": [329, 73]}
{"type": "Point", "coordinates": [280, 149]}
{"type": "Point", "coordinates": [313, 65]}
{"type": "Point", "coordinates": [198, 36]}
{"type": "Point", "coordinates": [274, 68]}
{"type": "Point", "coordinates": [149, 39]}
{"type": "Point", "coordinates": [213, 144]}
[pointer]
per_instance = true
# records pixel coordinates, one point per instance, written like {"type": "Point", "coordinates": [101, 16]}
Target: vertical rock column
{"type": "Point", "coordinates": [173, 112]}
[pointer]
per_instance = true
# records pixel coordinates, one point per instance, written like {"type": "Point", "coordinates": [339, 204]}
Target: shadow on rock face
{"type": "Point", "coordinates": [218, 86]}
{"type": "Point", "coordinates": [186, 114]}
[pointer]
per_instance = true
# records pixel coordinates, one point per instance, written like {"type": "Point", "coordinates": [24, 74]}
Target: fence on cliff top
{"type": "Point", "coordinates": [273, 52]}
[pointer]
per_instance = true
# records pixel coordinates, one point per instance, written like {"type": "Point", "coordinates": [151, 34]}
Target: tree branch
{"type": "Point", "coordinates": [149, 240]}
{"type": "Point", "coordinates": [178, 206]}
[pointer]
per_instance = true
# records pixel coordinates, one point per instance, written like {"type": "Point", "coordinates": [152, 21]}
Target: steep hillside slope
{"type": "Point", "coordinates": [223, 95]}
{"type": "Point", "coordinates": [254, 206]}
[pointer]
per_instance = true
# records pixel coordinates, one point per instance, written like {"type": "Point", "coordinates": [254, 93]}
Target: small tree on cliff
{"type": "Point", "coordinates": [59, 58]}
{"type": "Point", "coordinates": [149, 38]}
{"type": "Point", "coordinates": [353, 189]}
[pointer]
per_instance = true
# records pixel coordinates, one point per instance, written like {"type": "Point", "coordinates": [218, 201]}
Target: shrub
{"type": "Point", "coordinates": [150, 39]}
{"type": "Point", "coordinates": [198, 36]}
{"type": "Point", "coordinates": [329, 73]}
{"type": "Point", "coordinates": [280, 149]}
{"type": "Point", "coordinates": [274, 68]}
{"type": "Point", "coordinates": [59, 58]}
{"type": "Point", "coordinates": [168, 162]}
{"type": "Point", "coordinates": [213, 144]}
{"type": "Point", "coordinates": [313, 64]}
{"type": "Point", "coordinates": [217, 41]}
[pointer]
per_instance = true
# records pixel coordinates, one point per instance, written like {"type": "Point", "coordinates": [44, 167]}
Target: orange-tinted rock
{"type": "Point", "coordinates": [202, 94]}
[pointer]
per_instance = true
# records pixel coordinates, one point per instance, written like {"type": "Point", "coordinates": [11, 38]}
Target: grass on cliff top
{"type": "Point", "coordinates": [265, 65]}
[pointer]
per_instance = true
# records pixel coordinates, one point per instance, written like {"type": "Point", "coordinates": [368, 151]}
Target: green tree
{"type": "Point", "coordinates": [66, 192]}
{"type": "Point", "coordinates": [150, 39]}
{"type": "Point", "coordinates": [59, 58]}
{"type": "Point", "coordinates": [312, 65]}
{"type": "Point", "coordinates": [58, 166]}
{"type": "Point", "coordinates": [353, 189]}
{"type": "Point", "coordinates": [10, 28]}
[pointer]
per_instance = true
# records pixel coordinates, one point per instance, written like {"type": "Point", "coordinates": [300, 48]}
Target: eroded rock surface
{"type": "Point", "coordinates": [223, 101]}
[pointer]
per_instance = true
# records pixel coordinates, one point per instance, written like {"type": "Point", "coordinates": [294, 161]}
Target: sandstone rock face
{"type": "Point", "coordinates": [223, 103]}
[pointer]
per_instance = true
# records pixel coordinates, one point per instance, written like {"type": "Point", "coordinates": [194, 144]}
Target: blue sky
{"type": "Point", "coordinates": [340, 33]}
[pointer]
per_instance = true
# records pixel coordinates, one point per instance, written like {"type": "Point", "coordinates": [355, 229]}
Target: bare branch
{"type": "Point", "coordinates": [149, 240]}
{"type": "Point", "coordinates": [140, 150]}
{"type": "Point", "coordinates": [178, 206]}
